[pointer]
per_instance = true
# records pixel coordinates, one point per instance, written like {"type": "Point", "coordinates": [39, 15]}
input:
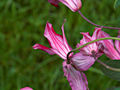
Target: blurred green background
{"type": "Point", "coordinates": [22, 24]}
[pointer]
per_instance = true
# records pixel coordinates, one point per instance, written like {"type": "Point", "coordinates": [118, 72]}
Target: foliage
{"type": "Point", "coordinates": [22, 25]}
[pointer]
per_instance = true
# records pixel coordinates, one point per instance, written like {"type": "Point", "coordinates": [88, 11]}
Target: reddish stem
{"type": "Point", "coordinates": [94, 23]}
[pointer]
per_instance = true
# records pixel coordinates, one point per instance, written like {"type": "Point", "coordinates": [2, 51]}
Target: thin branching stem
{"type": "Point", "coordinates": [89, 21]}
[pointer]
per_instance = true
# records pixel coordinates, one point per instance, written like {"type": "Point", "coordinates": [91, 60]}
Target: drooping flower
{"type": "Point", "coordinates": [88, 54]}
{"type": "Point", "coordinates": [108, 46]}
{"type": "Point", "coordinates": [74, 5]}
{"type": "Point", "coordinates": [91, 48]}
{"type": "Point", "coordinates": [26, 88]}
{"type": "Point", "coordinates": [60, 47]}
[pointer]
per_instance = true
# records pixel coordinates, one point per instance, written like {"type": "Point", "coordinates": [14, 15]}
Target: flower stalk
{"type": "Point", "coordinates": [96, 24]}
{"type": "Point", "coordinates": [108, 67]}
{"type": "Point", "coordinates": [68, 59]}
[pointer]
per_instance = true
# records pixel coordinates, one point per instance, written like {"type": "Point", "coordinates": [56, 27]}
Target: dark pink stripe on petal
{"type": "Point", "coordinates": [64, 39]}
{"type": "Point", "coordinates": [55, 40]}
{"type": "Point", "coordinates": [44, 48]}
{"type": "Point", "coordinates": [82, 62]}
{"type": "Point", "coordinates": [77, 79]}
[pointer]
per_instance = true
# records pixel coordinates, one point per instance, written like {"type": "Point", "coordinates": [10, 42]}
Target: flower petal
{"type": "Point", "coordinates": [26, 88]}
{"type": "Point", "coordinates": [109, 49]}
{"type": "Point", "coordinates": [44, 48]}
{"type": "Point", "coordinates": [55, 40]}
{"type": "Point", "coordinates": [64, 39]}
{"type": "Point", "coordinates": [82, 62]}
{"type": "Point", "coordinates": [77, 79]}
{"type": "Point", "coordinates": [74, 5]}
{"type": "Point", "coordinates": [54, 2]}
{"type": "Point", "coordinates": [117, 43]}
{"type": "Point", "coordinates": [89, 48]}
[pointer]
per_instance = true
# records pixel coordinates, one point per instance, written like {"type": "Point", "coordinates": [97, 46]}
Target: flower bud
{"type": "Point", "coordinates": [74, 5]}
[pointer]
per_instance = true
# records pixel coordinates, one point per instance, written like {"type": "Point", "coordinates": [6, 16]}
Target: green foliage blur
{"type": "Point", "coordinates": [22, 24]}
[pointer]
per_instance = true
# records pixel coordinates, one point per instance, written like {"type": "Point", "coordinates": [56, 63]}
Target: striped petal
{"type": "Point", "coordinates": [77, 80]}
{"type": "Point", "coordinates": [44, 48]}
{"type": "Point", "coordinates": [82, 62]}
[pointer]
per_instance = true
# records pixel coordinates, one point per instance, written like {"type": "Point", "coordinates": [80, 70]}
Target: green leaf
{"type": "Point", "coordinates": [114, 88]}
{"type": "Point", "coordinates": [117, 3]}
{"type": "Point", "coordinates": [110, 73]}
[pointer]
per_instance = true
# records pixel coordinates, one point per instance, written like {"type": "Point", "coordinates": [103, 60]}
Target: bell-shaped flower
{"type": "Point", "coordinates": [57, 42]}
{"type": "Point", "coordinates": [26, 88]}
{"type": "Point", "coordinates": [108, 46]}
{"type": "Point", "coordinates": [74, 5]}
{"type": "Point", "coordinates": [77, 79]}
{"type": "Point", "coordinates": [91, 48]}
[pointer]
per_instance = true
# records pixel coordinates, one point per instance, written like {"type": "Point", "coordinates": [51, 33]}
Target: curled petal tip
{"type": "Point", "coordinates": [36, 46]}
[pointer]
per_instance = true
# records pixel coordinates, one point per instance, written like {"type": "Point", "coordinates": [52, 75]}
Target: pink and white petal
{"type": "Point", "coordinates": [110, 51]}
{"type": "Point", "coordinates": [59, 54]}
{"type": "Point", "coordinates": [64, 39]}
{"type": "Point", "coordinates": [56, 40]}
{"type": "Point", "coordinates": [26, 88]}
{"type": "Point", "coordinates": [70, 4]}
{"type": "Point", "coordinates": [102, 34]}
{"type": "Point", "coordinates": [54, 2]}
{"type": "Point", "coordinates": [77, 79]}
{"type": "Point", "coordinates": [117, 43]}
{"type": "Point", "coordinates": [92, 47]}
{"type": "Point", "coordinates": [44, 48]}
{"type": "Point", "coordinates": [82, 62]}
{"type": "Point", "coordinates": [95, 34]}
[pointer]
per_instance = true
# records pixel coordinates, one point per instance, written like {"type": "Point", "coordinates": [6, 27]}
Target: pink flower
{"type": "Point", "coordinates": [77, 79]}
{"type": "Point", "coordinates": [59, 46]}
{"type": "Point", "coordinates": [108, 46]}
{"type": "Point", "coordinates": [26, 88]}
{"type": "Point", "coordinates": [88, 54]}
{"type": "Point", "coordinates": [57, 42]}
{"type": "Point", "coordinates": [91, 48]}
{"type": "Point", "coordinates": [74, 5]}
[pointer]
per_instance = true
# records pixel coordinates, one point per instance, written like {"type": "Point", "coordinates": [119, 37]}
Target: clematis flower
{"type": "Point", "coordinates": [59, 46]}
{"type": "Point", "coordinates": [57, 42]}
{"type": "Point", "coordinates": [88, 54]}
{"type": "Point", "coordinates": [91, 48]}
{"type": "Point", "coordinates": [26, 88]}
{"type": "Point", "coordinates": [108, 45]}
{"type": "Point", "coordinates": [74, 5]}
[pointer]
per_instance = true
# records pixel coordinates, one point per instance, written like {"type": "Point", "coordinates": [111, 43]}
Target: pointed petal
{"type": "Point", "coordinates": [54, 2]}
{"type": "Point", "coordinates": [82, 62]}
{"type": "Point", "coordinates": [64, 39]}
{"type": "Point", "coordinates": [44, 48]}
{"type": "Point", "coordinates": [95, 34]}
{"type": "Point", "coordinates": [56, 40]}
{"type": "Point", "coordinates": [109, 49]}
{"type": "Point", "coordinates": [77, 80]}
{"type": "Point", "coordinates": [89, 48]}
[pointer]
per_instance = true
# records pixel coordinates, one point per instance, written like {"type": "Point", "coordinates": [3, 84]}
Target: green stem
{"type": "Point", "coordinates": [108, 67]}
{"type": "Point", "coordinates": [114, 38]}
